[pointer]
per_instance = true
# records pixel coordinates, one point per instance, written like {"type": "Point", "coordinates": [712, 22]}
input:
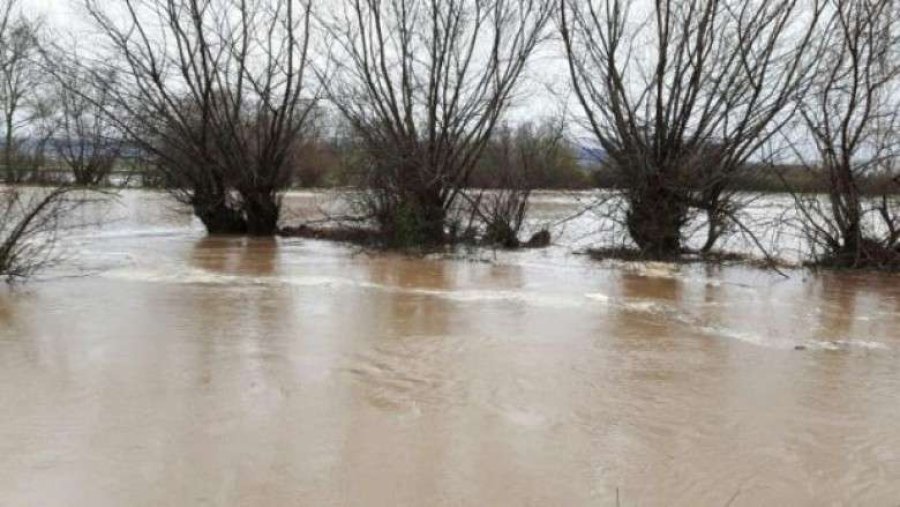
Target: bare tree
{"type": "Point", "coordinates": [423, 84]}
{"type": "Point", "coordinates": [682, 96]}
{"type": "Point", "coordinates": [30, 223]}
{"type": "Point", "coordinates": [86, 138]}
{"type": "Point", "coordinates": [21, 80]}
{"type": "Point", "coordinates": [516, 162]}
{"type": "Point", "coordinates": [217, 92]}
{"type": "Point", "coordinates": [851, 120]}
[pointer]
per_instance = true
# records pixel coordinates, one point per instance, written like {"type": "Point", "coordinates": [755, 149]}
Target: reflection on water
{"type": "Point", "coordinates": [185, 370]}
{"type": "Point", "coordinates": [236, 256]}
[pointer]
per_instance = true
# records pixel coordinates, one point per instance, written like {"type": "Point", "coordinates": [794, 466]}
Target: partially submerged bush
{"type": "Point", "coordinates": [868, 254]}
{"type": "Point", "coordinates": [851, 119]}
{"type": "Point", "coordinates": [424, 101]}
{"type": "Point", "coordinates": [30, 220]}
{"type": "Point", "coordinates": [222, 118]}
{"type": "Point", "coordinates": [532, 155]}
{"type": "Point", "coordinates": [712, 74]}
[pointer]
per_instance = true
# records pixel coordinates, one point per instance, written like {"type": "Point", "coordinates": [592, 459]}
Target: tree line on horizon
{"type": "Point", "coordinates": [691, 101]}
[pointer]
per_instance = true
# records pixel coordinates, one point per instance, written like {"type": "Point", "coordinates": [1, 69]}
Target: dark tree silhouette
{"type": "Point", "coordinates": [851, 119]}
{"type": "Point", "coordinates": [681, 97]}
{"type": "Point", "coordinates": [216, 91]}
{"type": "Point", "coordinates": [423, 84]}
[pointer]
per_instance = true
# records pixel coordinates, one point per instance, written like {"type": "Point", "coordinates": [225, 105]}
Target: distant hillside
{"type": "Point", "coordinates": [590, 156]}
{"type": "Point", "coordinates": [32, 145]}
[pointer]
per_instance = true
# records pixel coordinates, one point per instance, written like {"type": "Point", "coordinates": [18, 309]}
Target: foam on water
{"type": "Point", "coordinates": [673, 313]}
{"type": "Point", "coordinates": [640, 305]}
{"type": "Point", "coordinates": [766, 341]}
{"type": "Point", "coordinates": [196, 276]}
{"type": "Point", "coordinates": [142, 232]}
{"type": "Point", "coordinates": [477, 296]}
{"type": "Point", "coordinates": [845, 345]}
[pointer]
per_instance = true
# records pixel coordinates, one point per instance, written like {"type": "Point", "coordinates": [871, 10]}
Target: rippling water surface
{"type": "Point", "coordinates": [156, 366]}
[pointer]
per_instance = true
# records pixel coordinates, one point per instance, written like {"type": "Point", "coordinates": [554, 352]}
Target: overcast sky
{"type": "Point", "coordinates": [60, 14]}
{"type": "Point", "coordinates": [542, 94]}
{"type": "Point", "coordinates": [55, 9]}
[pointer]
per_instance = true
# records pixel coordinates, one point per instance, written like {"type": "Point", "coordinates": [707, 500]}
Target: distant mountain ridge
{"type": "Point", "coordinates": [590, 156]}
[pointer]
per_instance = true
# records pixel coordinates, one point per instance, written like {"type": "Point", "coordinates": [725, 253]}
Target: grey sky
{"type": "Point", "coordinates": [541, 94]}
{"type": "Point", "coordinates": [55, 10]}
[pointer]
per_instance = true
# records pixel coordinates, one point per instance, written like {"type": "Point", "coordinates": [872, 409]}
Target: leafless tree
{"type": "Point", "coordinates": [30, 223]}
{"type": "Point", "coordinates": [217, 92]}
{"type": "Point", "coordinates": [516, 162]}
{"type": "Point", "coordinates": [851, 120]}
{"type": "Point", "coordinates": [423, 84]}
{"type": "Point", "coordinates": [681, 95]}
{"type": "Point", "coordinates": [539, 152]}
{"type": "Point", "coordinates": [21, 81]}
{"type": "Point", "coordinates": [86, 139]}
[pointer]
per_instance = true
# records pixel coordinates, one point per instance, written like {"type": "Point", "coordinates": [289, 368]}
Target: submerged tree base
{"type": "Point", "coordinates": [869, 255]}
{"type": "Point", "coordinates": [355, 235]}
{"type": "Point", "coordinates": [685, 257]}
{"type": "Point", "coordinates": [373, 238]}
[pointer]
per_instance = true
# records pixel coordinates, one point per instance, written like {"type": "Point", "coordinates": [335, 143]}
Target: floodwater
{"type": "Point", "coordinates": [156, 366]}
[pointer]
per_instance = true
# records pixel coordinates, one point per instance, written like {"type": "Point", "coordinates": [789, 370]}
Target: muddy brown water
{"type": "Point", "coordinates": [156, 366]}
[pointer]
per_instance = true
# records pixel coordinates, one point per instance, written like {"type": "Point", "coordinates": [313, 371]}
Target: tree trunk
{"type": "Point", "coordinates": [714, 203]}
{"type": "Point", "coordinates": [11, 176]}
{"type": "Point", "coordinates": [713, 231]}
{"type": "Point", "coordinates": [433, 217]}
{"type": "Point", "coordinates": [655, 218]}
{"type": "Point", "coordinates": [219, 218]}
{"type": "Point", "coordinates": [418, 218]}
{"type": "Point", "coordinates": [853, 251]}
{"type": "Point", "coordinates": [850, 218]}
{"type": "Point", "coordinates": [716, 219]}
{"type": "Point", "coordinates": [263, 211]}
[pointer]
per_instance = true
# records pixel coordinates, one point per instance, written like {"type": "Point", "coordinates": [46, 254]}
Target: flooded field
{"type": "Point", "coordinates": [156, 366]}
